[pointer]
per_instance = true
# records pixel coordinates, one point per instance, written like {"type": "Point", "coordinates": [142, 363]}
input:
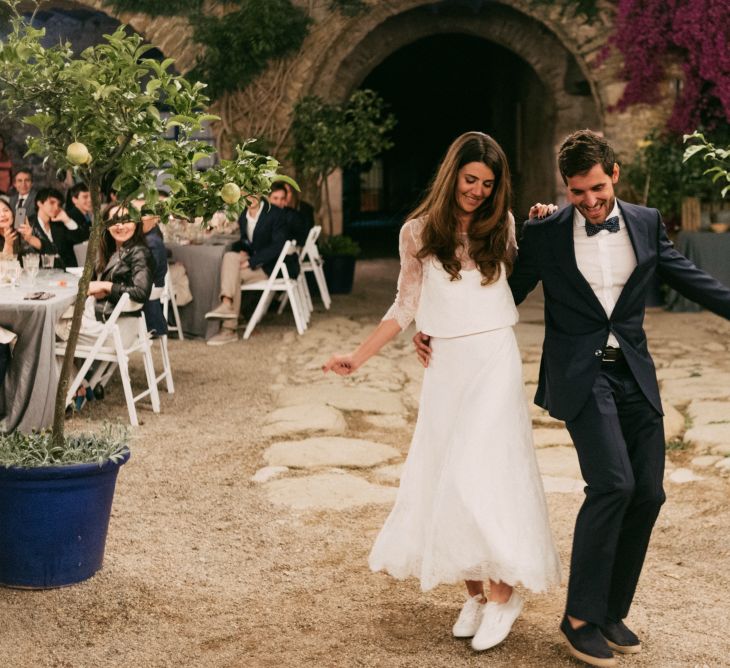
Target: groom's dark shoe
{"type": "Point", "coordinates": [620, 638]}
{"type": "Point", "coordinates": [587, 644]}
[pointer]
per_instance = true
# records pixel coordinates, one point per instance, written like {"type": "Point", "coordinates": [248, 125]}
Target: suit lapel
{"type": "Point", "coordinates": [564, 249]}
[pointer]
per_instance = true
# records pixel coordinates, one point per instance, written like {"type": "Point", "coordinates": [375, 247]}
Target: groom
{"type": "Point", "coordinates": [597, 259]}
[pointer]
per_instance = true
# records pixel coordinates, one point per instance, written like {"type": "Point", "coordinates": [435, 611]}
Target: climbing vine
{"type": "Point", "coordinates": [651, 33]}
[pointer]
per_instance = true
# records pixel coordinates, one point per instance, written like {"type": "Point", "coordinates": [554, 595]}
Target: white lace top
{"type": "Point", "coordinates": [413, 270]}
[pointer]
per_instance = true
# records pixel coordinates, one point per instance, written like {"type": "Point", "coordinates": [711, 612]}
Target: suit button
{"type": "Point", "coordinates": [598, 353]}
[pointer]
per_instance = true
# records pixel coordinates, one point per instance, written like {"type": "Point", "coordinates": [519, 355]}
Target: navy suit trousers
{"type": "Point", "coordinates": [619, 438]}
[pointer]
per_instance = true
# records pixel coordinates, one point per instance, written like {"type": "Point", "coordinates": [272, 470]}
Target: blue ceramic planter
{"type": "Point", "coordinates": [53, 523]}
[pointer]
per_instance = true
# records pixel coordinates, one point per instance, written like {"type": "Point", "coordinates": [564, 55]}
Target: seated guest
{"type": "Point", "coordinates": [9, 237]}
{"type": "Point", "coordinates": [264, 232]}
{"type": "Point", "coordinates": [294, 222]}
{"type": "Point", "coordinates": [52, 231]}
{"type": "Point", "coordinates": [304, 209]}
{"type": "Point", "coordinates": [124, 265]}
{"type": "Point", "coordinates": [79, 209]}
{"type": "Point", "coordinates": [153, 308]}
{"type": "Point", "coordinates": [25, 193]}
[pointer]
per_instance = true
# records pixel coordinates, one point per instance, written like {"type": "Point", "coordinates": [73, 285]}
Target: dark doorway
{"type": "Point", "coordinates": [439, 87]}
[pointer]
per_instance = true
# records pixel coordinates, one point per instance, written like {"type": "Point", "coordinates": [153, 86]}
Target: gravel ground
{"type": "Point", "coordinates": [201, 570]}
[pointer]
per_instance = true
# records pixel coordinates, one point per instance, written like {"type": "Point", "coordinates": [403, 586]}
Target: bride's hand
{"type": "Point", "coordinates": [342, 365]}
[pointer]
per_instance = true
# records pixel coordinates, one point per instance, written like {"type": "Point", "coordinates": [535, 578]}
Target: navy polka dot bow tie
{"type": "Point", "coordinates": [611, 225]}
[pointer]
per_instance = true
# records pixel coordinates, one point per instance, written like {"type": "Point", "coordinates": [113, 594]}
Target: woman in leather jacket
{"type": "Point", "coordinates": [124, 265]}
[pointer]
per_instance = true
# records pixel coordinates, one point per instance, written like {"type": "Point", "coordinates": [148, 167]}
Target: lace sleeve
{"type": "Point", "coordinates": [403, 310]}
{"type": "Point", "coordinates": [512, 243]}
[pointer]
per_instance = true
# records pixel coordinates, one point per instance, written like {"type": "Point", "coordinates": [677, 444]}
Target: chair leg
{"type": "Point", "coordinates": [178, 324]}
{"type": "Point", "coordinates": [258, 313]}
{"type": "Point", "coordinates": [166, 365]}
{"type": "Point", "coordinates": [149, 367]}
{"type": "Point", "coordinates": [296, 309]}
{"type": "Point", "coordinates": [324, 292]}
{"type": "Point", "coordinates": [122, 362]}
{"type": "Point", "coordinates": [282, 303]}
{"type": "Point", "coordinates": [307, 293]}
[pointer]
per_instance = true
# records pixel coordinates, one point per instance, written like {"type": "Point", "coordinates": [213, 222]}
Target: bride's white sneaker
{"type": "Point", "coordinates": [469, 617]}
{"type": "Point", "coordinates": [497, 620]}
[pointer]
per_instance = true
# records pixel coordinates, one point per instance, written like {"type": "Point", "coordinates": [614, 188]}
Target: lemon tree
{"type": "Point", "coordinates": [98, 113]}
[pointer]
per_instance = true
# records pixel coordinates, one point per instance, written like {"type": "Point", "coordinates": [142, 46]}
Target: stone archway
{"type": "Point", "coordinates": [557, 98]}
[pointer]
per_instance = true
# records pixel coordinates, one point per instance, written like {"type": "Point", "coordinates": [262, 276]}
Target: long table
{"type": "Point", "coordinates": [710, 252]}
{"type": "Point", "coordinates": [202, 263]}
{"type": "Point", "coordinates": [28, 393]}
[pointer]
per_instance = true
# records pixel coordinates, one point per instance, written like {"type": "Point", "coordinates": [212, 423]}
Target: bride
{"type": "Point", "coordinates": [470, 504]}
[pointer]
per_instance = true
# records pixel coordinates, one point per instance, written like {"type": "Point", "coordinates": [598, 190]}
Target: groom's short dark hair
{"type": "Point", "coordinates": [581, 151]}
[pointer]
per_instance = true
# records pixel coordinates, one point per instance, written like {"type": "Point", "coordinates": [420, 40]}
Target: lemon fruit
{"type": "Point", "coordinates": [230, 193]}
{"type": "Point", "coordinates": [78, 154]}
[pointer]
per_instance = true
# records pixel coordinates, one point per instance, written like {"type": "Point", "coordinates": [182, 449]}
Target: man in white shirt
{"type": "Point", "coordinates": [264, 232]}
{"type": "Point", "coordinates": [597, 260]}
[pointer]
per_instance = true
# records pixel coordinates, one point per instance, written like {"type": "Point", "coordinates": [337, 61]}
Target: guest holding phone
{"type": "Point", "coordinates": [9, 237]}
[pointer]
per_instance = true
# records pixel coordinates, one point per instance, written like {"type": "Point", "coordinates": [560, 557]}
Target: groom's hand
{"type": "Point", "coordinates": [422, 342]}
{"type": "Point", "coordinates": [542, 210]}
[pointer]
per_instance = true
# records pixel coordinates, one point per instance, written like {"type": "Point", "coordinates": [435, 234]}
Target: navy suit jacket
{"type": "Point", "coordinates": [576, 325]}
{"type": "Point", "coordinates": [269, 236]}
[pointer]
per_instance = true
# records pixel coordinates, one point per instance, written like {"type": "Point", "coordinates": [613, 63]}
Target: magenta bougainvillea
{"type": "Point", "coordinates": [696, 32]}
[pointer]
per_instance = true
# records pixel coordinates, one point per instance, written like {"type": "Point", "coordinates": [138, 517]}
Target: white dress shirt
{"type": "Point", "coordinates": [606, 261]}
{"type": "Point", "coordinates": [251, 222]}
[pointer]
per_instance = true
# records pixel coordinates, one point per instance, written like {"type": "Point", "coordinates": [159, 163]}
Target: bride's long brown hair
{"type": "Point", "coordinates": [489, 231]}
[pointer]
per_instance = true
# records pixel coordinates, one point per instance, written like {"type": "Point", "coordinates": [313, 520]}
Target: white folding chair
{"type": "Point", "coordinates": [167, 299]}
{"type": "Point", "coordinates": [304, 295]}
{"type": "Point", "coordinates": [278, 281]}
{"type": "Point", "coordinates": [311, 260]}
{"type": "Point", "coordinates": [166, 374]}
{"type": "Point", "coordinates": [109, 351]}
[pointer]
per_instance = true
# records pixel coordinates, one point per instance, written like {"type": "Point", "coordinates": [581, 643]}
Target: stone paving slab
{"type": "Point", "coordinates": [683, 475]}
{"type": "Point", "coordinates": [556, 485]}
{"type": "Point", "coordinates": [330, 491]}
{"type": "Point", "coordinates": [343, 398]}
{"type": "Point", "coordinates": [714, 438]}
{"type": "Point", "coordinates": [705, 461]}
{"type": "Point", "coordinates": [547, 438]}
{"type": "Point", "coordinates": [390, 473]}
{"type": "Point", "coordinates": [269, 473]}
{"type": "Point", "coordinates": [707, 412]}
{"type": "Point", "coordinates": [674, 422]}
{"type": "Point", "coordinates": [560, 462]}
{"type": "Point", "coordinates": [707, 386]}
{"type": "Point", "coordinates": [305, 417]}
{"type": "Point", "coordinates": [329, 451]}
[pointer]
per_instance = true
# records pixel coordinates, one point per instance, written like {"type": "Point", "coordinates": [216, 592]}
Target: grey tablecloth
{"type": "Point", "coordinates": [711, 253]}
{"type": "Point", "coordinates": [203, 266]}
{"type": "Point", "coordinates": [29, 391]}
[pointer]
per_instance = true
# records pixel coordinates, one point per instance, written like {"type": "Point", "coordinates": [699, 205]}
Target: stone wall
{"type": "Point", "coordinates": [340, 51]}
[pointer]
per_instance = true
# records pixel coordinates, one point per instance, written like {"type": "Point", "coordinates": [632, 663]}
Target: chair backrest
{"type": "Point", "coordinates": [122, 305]}
{"type": "Point", "coordinates": [280, 269]}
{"type": "Point", "coordinates": [309, 250]}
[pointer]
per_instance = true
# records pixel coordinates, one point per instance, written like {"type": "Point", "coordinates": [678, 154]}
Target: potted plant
{"type": "Point", "coordinates": [331, 136]}
{"type": "Point", "coordinates": [339, 253]}
{"type": "Point", "coordinates": [97, 114]}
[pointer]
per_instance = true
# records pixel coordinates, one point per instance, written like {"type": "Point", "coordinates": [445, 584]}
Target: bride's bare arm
{"type": "Point", "coordinates": [399, 315]}
{"type": "Point", "coordinates": [344, 365]}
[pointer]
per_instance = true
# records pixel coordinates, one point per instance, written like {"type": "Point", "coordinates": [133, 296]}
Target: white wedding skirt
{"type": "Point", "coordinates": [471, 505]}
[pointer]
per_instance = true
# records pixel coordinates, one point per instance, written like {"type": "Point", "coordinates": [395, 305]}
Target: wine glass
{"type": "Point", "coordinates": [30, 264]}
{"type": "Point", "coordinates": [13, 271]}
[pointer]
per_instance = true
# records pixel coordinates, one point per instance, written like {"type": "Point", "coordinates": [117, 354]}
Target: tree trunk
{"type": "Point", "coordinates": [59, 414]}
{"type": "Point", "coordinates": [328, 203]}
